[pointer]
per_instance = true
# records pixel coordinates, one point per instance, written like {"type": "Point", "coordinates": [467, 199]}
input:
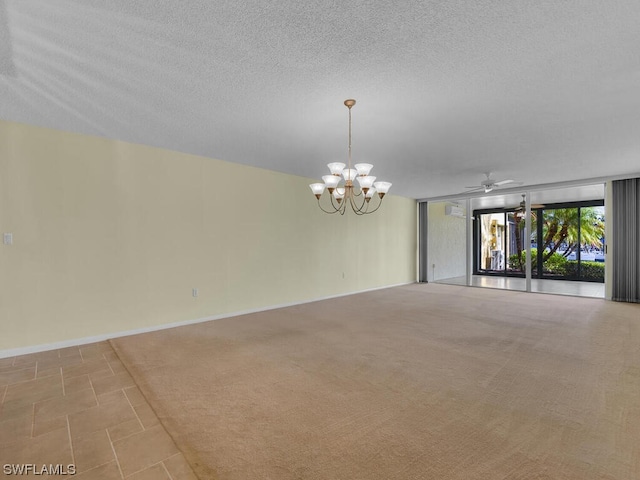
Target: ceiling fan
{"type": "Point", "coordinates": [490, 184]}
{"type": "Point", "coordinates": [523, 205]}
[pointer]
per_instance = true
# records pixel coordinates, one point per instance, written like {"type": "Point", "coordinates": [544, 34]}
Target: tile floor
{"type": "Point", "coordinates": [556, 287]}
{"type": "Point", "coordinates": [79, 406]}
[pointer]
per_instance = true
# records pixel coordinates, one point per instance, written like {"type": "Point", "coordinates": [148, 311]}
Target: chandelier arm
{"type": "Point", "coordinates": [359, 209]}
{"type": "Point", "coordinates": [377, 207]}
{"type": "Point", "coordinates": [352, 202]}
{"type": "Point", "coordinates": [327, 211]}
{"type": "Point", "coordinates": [364, 206]}
{"type": "Point", "coordinates": [364, 209]}
{"type": "Point", "coordinates": [341, 207]}
{"type": "Point", "coordinates": [333, 204]}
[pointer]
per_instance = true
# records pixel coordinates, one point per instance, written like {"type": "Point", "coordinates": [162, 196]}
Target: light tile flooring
{"type": "Point", "coordinates": [557, 287]}
{"type": "Point", "coordinates": [79, 406]}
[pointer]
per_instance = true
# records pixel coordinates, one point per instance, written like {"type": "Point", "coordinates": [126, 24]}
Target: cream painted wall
{"type": "Point", "coordinates": [112, 237]}
{"type": "Point", "coordinates": [446, 243]}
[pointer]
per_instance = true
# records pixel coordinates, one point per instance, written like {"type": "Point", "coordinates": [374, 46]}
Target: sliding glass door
{"type": "Point", "coordinates": [567, 242]}
{"type": "Point", "coordinates": [501, 243]}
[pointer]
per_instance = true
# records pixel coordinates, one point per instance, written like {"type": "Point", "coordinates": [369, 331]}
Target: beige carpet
{"type": "Point", "coordinates": [415, 382]}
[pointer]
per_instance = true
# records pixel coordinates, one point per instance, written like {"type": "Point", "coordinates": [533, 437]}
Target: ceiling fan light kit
{"type": "Point", "coordinates": [346, 193]}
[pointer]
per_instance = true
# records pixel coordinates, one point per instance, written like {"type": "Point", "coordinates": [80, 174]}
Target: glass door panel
{"type": "Point", "coordinates": [591, 261]}
{"type": "Point", "coordinates": [560, 245]}
{"type": "Point", "coordinates": [492, 257]}
{"type": "Point", "coordinates": [515, 244]}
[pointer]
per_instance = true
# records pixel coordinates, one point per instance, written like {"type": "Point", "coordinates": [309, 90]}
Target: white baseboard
{"type": "Point", "coordinates": [13, 352]}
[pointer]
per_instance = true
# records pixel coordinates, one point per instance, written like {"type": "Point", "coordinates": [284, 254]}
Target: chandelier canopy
{"type": "Point", "coordinates": [341, 187]}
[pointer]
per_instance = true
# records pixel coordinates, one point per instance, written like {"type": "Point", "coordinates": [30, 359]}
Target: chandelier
{"type": "Point", "coordinates": [340, 184]}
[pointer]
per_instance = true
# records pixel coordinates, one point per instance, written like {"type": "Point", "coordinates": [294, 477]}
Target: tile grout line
{"type": "Point", "coordinates": [4, 394]}
{"type": "Point", "coordinates": [165, 469]}
{"type": "Point", "coordinates": [73, 457]}
{"type": "Point", "coordinates": [33, 419]}
{"type": "Point", "coordinates": [128, 436]}
{"type": "Point", "coordinates": [135, 412]}
{"type": "Point", "coordinates": [35, 373]}
{"type": "Point", "coordinates": [150, 466]}
{"type": "Point", "coordinates": [175, 455]}
{"type": "Point", "coordinates": [64, 393]}
{"type": "Point", "coordinates": [84, 472]}
{"type": "Point", "coordinates": [22, 381]}
{"type": "Point", "coordinates": [109, 365]}
{"type": "Point", "coordinates": [93, 389]}
{"type": "Point", "coordinates": [115, 455]}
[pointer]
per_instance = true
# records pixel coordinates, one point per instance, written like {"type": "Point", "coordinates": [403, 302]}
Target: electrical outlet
{"type": "Point", "coordinates": [194, 292]}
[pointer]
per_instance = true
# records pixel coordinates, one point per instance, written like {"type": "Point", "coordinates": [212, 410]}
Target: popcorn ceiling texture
{"type": "Point", "coordinates": [536, 91]}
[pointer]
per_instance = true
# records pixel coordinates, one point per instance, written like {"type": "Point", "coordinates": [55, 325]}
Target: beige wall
{"type": "Point", "coordinates": [112, 237]}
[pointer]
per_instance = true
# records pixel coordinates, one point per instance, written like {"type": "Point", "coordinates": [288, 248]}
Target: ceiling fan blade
{"type": "Point", "coordinates": [520, 207]}
{"type": "Point", "coordinates": [515, 184]}
{"type": "Point", "coordinates": [503, 182]}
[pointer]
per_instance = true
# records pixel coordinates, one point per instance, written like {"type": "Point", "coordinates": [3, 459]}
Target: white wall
{"type": "Point", "coordinates": [112, 237]}
{"type": "Point", "coordinates": [446, 243]}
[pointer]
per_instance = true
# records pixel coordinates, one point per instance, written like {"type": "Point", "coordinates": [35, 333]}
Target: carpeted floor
{"type": "Point", "coordinates": [423, 381]}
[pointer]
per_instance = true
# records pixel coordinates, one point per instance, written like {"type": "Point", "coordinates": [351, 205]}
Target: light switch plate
{"type": "Point", "coordinates": [8, 238]}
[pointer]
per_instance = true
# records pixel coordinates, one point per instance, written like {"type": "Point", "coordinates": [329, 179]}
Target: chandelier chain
{"type": "Point", "coordinates": [349, 137]}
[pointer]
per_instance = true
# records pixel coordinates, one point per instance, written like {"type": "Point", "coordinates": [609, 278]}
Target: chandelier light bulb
{"type": "Point", "coordinates": [363, 168]}
{"type": "Point", "coordinates": [331, 182]}
{"type": "Point", "coordinates": [350, 174]}
{"type": "Point", "coordinates": [369, 194]}
{"type": "Point", "coordinates": [317, 189]}
{"type": "Point", "coordinates": [382, 188]}
{"type": "Point", "coordinates": [336, 168]}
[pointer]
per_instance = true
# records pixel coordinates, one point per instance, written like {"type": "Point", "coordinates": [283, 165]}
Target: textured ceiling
{"type": "Point", "coordinates": [538, 92]}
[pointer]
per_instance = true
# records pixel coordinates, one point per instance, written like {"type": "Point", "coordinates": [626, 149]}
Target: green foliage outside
{"type": "Point", "coordinates": [560, 227]}
{"type": "Point", "coordinates": [593, 271]}
{"type": "Point", "coordinates": [557, 264]}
